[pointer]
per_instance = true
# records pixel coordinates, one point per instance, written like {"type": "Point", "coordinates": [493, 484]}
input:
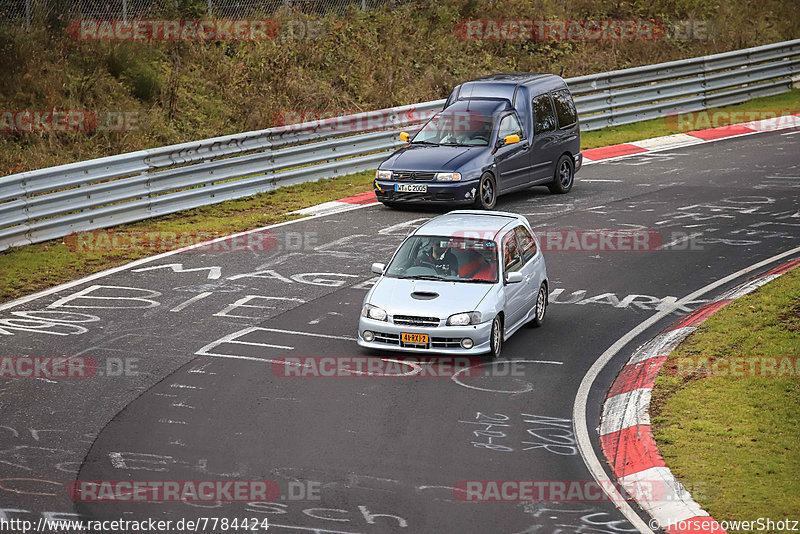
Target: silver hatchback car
{"type": "Point", "coordinates": [461, 283]}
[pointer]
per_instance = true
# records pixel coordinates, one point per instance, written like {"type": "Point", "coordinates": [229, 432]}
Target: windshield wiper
{"type": "Point", "coordinates": [422, 277]}
{"type": "Point", "coordinates": [424, 143]}
{"type": "Point", "coordinates": [455, 144]}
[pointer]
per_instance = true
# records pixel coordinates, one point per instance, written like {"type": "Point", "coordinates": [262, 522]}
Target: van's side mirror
{"type": "Point", "coordinates": [404, 136]}
{"type": "Point", "coordinates": [514, 277]}
{"type": "Point", "coordinates": [510, 139]}
{"type": "Point", "coordinates": [378, 268]}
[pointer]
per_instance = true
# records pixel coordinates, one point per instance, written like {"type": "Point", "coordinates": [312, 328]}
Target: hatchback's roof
{"type": "Point", "coordinates": [469, 223]}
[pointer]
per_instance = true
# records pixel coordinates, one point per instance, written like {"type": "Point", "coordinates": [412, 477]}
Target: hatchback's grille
{"type": "Point", "coordinates": [383, 337]}
{"type": "Point", "coordinates": [412, 320]}
{"type": "Point", "coordinates": [445, 342]}
{"type": "Point", "coordinates": [413, 175]}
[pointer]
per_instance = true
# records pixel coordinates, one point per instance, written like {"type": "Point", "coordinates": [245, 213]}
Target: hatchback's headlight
{"type": "Point", "coordinates": [373, 312]}
{"type": "Point", "coordinates": [448, 176]}
{"type": "Point", "coordinates": [464, 319]}
{"type": "Point", "coordinates": [383, 175]}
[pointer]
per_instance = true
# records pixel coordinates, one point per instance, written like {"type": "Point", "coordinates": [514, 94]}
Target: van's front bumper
{"type": "Point", "coordinates": [444, 192]}
{"type": "Point", "coordinates": [441, 339]}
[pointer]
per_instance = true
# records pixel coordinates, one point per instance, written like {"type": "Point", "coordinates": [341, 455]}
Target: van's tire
{"type": "Point", "coordinates": [496, 338]}
{"type": "Point", "coordinates": [564, 176]}
{"type": "Point", "coordinates": [486, 196]}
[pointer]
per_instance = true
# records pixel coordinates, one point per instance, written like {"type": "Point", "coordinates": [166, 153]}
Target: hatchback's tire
{"type": "Point", "coordinates": [496, 338]}
{"type": "Point", "coordinates": [541, 307]}
{"type": "Point", "coordinates": [486, 196]}
{"type": "Point", "coordinates": [564, 176]}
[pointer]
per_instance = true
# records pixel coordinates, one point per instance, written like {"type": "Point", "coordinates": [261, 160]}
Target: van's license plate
{"type": "Point", "coordinates": [414, 338]}
{"type": "Point", "coordinates": [411, 188]}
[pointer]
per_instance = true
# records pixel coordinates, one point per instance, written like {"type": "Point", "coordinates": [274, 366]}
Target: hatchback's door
{"type": "Point", "coordinates": [531, 268]}
{"type": "Point", "coordinates": [513, 161]}
{"type": "Point", "coordinates": [545, 145]}
{"type": "Point", "coordinates": [515, 304]}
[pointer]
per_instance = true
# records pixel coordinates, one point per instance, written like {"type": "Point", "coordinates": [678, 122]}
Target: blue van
{"type": "Point", "coordinates": [495, 135]}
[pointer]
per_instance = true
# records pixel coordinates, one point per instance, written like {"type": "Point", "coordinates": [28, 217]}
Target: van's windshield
{"type": "Point", "coordinates": [465, 128]}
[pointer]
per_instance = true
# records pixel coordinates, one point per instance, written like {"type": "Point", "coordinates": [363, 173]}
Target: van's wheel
{"type": "Point", "coordinates": [541, 306]}
{"type": "Point", "coordinates": [486, 196]}
{"type": "Point", "coordinates": [496, 338]}
{"type": "Point", "coordinates": [564, 176]}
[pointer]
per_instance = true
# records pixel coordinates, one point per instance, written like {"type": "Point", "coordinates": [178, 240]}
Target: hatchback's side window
{"type": "Point", "coordinates": [544, 120]}
{"type": "Point", "coordinates": [509, 125]}
{"type": "Point", "coordinates": [565, 109]}
{"type": "Point", "coordinates": [527, 243]}
{"type": "Point", "coordinates": [511, 259]}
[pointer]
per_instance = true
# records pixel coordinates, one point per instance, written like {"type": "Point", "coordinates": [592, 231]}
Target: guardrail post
{"type": "Point", "coordinates": [27, 15]}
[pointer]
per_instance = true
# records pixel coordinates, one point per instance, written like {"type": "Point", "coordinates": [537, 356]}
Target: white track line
{"type": "Point", "coordinates": [582, 397]}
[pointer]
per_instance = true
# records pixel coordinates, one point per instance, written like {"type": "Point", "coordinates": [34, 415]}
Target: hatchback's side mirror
{"type": "Point", "coordinates": [404, 136]}
{"type": "Point", "coordinates": [514, 277]}
{"type": "Point", "coordinates": [378, 268]}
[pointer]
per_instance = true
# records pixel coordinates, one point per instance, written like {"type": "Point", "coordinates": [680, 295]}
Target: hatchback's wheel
{"type": "Point", "coordinates": [564, 176]}
{"type": "Point", "coordinates": [486, 196]}
{"type": "Point", "coordinates": [541, 306]}
{"type": "Point", "coordinates": [496, 339]}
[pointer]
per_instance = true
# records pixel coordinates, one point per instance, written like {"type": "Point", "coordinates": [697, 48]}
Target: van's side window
{"type": "Point", "coordinates": [565, 108]}
{"type": "Point", "coordinates": [544, 120]}
{"type": "Point", "coordinates": [509, 125]}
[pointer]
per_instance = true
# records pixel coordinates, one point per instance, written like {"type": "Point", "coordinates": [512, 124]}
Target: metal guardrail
{"type": "Point", "coordinates": [49, 203]}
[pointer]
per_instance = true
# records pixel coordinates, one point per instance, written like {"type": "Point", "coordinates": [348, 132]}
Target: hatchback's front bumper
{"type": "Point", "coordinates": [441, 339]}
{"type": "Point", "coordinates": [445, 192]}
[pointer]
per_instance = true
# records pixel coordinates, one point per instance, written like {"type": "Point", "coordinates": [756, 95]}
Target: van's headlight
{"type": "Point", "coordinates": [464, 319]}
{"type": "Point", "coordinates": [373, 312]}
{"type": "Point", "coordinates": [383, 175]}
{"type": "Point", "coordinates": [448, 176]}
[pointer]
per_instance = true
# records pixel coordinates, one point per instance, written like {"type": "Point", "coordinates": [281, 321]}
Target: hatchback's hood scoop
{"type": "Point", "coordinates": [424, 295]}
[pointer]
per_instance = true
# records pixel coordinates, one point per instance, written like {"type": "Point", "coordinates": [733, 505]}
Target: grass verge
{"type": "Point", "coordinates": [732, 441]}
{"type": "Point", "coordinates": [25, 270]}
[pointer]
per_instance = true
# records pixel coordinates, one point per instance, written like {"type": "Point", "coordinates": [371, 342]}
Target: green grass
{"type": "Point", "coordinates": [734, 440]}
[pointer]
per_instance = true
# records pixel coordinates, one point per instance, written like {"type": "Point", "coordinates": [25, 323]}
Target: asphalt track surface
{"type": "Point", "coordinates": [385, 453]}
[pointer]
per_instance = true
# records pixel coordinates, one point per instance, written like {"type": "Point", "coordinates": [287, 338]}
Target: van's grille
{"type": "Point", "coordinates": [413, 175]}
{"type": "Point", "coordinates": [412, 320]}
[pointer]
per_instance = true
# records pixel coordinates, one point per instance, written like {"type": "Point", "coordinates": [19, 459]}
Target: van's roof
{"type": "Point", "coordinates": [505, 85]}
{"type": "Point", "coordinates": [469, 223]}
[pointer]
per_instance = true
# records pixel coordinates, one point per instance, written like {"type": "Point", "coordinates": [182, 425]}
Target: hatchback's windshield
{"type": "Point", "coordinates": [458, 259]}
{"type": "Point", "coordinates": [456, 128]}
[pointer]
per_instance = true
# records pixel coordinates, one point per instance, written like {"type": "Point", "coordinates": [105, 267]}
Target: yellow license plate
{"type": "Point", "coordinates": [414, 338]}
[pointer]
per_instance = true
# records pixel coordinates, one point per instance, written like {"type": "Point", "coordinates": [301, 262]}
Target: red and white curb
{"type": "Point", "coordinates": [668, 142]}
{"type": "Point", "coordinates": [625, 435]}
{"type": "Point", "coordinates": [595, 155]}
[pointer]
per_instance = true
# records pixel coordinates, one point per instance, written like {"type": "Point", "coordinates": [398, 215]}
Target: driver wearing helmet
{"type": "Point", "coordinates": [439, 256]}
